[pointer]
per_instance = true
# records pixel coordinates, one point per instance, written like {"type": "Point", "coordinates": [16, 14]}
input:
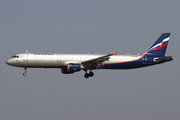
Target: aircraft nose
{"type": "Point", "coordinates": [8, 62]}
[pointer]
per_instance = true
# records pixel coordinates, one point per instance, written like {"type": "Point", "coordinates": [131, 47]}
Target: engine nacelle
{"type": "Point", "coordinates": [71, 68]}
{"type": "Point", "coordinates": [65, 71]}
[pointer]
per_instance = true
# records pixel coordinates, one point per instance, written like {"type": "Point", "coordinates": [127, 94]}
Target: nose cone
{"type": "Point", "coordinates": [8, 62]}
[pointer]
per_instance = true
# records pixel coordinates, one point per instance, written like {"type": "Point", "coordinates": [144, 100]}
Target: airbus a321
{"type": "Point", "coordinates": [71, 63]}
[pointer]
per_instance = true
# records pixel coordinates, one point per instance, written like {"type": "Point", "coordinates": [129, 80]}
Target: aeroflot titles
{"type": "Point", "coordinates": [43, 53]}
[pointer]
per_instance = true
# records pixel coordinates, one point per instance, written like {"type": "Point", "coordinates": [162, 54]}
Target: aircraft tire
{"type": "Point", "coordinates": [86, 75]}
{"type": "Point", "coordinates": [91, 74]}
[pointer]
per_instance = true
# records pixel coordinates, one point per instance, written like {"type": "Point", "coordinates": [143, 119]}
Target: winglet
{"type": "Point", "coordinates": [115, 53]}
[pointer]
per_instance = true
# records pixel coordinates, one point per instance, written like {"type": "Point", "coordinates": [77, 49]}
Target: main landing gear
{"type": "Point", "coordinates": [90, 74]}
{"type": "Point", "coordinates": [24, 74]}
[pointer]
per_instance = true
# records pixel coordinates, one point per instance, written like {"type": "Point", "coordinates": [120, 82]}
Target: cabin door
{"type": "Point", "coordinates": [144, 60]}
{"type": "Point", "coordinates": [58, 57]}
{"type": "Point", "coordinates": [25, 57]}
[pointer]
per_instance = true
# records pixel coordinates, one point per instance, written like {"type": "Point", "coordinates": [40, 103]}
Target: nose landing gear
{"type": "Point", "coordinates": [24, 74]}
{"type": "Point", "coordinates": [90, 74]}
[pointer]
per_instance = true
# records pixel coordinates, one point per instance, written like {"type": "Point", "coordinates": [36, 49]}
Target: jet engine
{"type": "Point", "coordinates": [71, 68]}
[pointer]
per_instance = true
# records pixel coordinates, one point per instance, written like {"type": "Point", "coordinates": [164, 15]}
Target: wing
{"type": "Point", "coordinates": [93, 63]}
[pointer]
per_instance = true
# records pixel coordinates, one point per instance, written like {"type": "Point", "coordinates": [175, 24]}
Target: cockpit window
{"type": "Point", "coordinates": [15, 56]}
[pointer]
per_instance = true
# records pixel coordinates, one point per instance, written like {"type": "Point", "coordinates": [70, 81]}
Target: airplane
{"type": "Point", "coordinates": [70, 63]}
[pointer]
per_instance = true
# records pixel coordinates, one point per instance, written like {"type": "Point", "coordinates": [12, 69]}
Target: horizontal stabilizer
{"type": "Point", "coordinates": [161, 59]}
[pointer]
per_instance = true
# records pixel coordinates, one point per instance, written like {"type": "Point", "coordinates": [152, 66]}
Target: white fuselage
{"type": "Point", "coordinates": [58, 60]}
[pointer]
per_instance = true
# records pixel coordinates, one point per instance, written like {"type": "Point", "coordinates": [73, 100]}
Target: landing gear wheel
{"type": "Point", "coordinates": [91, 74]}
{"type": "Point", "coordinates": [86, 75]}
{"type": "Point", "coordinates": [24, 74]}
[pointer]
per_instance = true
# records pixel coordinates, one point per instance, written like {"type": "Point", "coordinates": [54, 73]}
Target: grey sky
{"type": "Point", "coordinates": [80, 26]}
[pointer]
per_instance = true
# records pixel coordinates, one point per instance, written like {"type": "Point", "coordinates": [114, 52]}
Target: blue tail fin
{"type": "Point", "coordinates": [159, 47]}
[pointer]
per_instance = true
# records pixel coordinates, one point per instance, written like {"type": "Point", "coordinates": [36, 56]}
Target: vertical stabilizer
{"type": "Point", "coordinates": [159, 47]}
